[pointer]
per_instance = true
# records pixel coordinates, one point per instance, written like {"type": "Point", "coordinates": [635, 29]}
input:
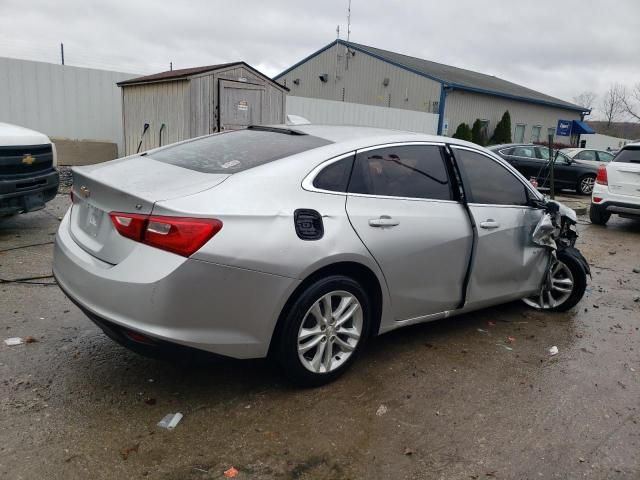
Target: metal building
{"type": "Point", "coordinates": [350, 72]}
{"type": "Point", "coordinates": [181, 104]}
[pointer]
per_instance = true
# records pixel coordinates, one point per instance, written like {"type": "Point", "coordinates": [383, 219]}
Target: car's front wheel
{"type": "Point", "coordinates": [324, 330]}
{"type": "Point", "coordinates": [565, 286]}
{"type": "Point", "coordinates": [585, 184]}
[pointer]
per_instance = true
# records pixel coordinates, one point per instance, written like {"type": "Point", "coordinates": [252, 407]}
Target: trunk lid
{"type": "Point", "coordinates": [131, 185]}
{"type": "Point", "coordinates": [624, 172]}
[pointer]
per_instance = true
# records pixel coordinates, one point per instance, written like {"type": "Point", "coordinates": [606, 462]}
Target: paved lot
{"type": "Point", "coordinates": [462, 401]}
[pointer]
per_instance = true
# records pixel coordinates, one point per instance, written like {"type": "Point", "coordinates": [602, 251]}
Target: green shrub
{"type": "Point", "coordinates": [502, 133]}
{"type": "Point", "coordinates": [478, 134]}
{"type": "Point", "coordinates": [463, 132]}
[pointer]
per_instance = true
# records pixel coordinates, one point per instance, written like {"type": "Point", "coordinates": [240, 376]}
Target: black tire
{"type": "Point", "coordinates": [582, 188]}
{"type": "Point", "coordinates": [598, 215]}
{"type": "Point", "coordinates": [575, 264]}
{"type": "Point", "coordinates": [287, 343]}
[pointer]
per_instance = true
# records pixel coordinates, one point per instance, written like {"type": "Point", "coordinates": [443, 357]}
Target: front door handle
{"type": "Point", "coordinates": [489, 224]}
{"type": "Point", "coordinates": [383, 221]}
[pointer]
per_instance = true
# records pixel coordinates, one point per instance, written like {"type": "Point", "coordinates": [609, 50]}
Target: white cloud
{"type": "Point", "coordinates": [559, 48]}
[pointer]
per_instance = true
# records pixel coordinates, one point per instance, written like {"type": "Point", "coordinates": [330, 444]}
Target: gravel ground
{"type": "Point", "coordinates": [66, 179]}
{"type": "Point", "coordinates": [471, 397]}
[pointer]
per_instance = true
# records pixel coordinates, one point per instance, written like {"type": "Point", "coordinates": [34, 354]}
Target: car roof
{"type": "Point", "coordinates": [370, 135]}
{"type": "Point", "coordinates": [511, 145]}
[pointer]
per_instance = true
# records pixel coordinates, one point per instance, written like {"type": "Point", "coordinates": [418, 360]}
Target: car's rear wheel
{"type": "Point", "coordinates": [585, 184]}
{"type": "Point", "coordinates": [324, 330]}
{"type": "Point", "coordinates": [598, 215]}
{"type": "Point", "coordinates": [566, 285]}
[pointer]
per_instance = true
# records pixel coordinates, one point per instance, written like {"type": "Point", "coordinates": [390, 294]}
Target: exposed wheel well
{"type": "Point", "coordinates": [355, 270]}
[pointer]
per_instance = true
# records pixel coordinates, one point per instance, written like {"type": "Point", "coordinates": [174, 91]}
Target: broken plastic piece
{"type": "Point", "coordinates": [14, 341]}
{"type": "Point", "coordinates": [231, 472]}
{"type": "Point", "coordinates": [553, 351]}
{"type": "Point", "coordinates": [170, 421]}
{"type": "Point", "coordinates": [382, 409]}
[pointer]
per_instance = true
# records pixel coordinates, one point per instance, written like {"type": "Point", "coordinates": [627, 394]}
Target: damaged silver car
{"type": "Point", "coordinates": [300, 243]}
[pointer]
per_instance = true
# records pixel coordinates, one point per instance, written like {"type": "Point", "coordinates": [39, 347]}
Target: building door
{"type": "Point", "coordinates": [240, 104]}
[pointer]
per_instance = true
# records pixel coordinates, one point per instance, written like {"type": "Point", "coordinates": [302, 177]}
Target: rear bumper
{"type": "Point", "coordinates": [618, 208]}
{"type": "Point", "coordinates": [220, 309]}
{"type": "Point", "coordinates": [26, 194]}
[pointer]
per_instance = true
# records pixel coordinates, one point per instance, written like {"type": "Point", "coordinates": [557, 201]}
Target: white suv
{"type": "Point", "coordinates": [617, 187]}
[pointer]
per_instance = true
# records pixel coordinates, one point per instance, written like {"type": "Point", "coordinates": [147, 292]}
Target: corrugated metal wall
{"type": "Point", "coordinates": [467, 106]}
{"type": "Point", "coordinates": [62, 101]}
{"type": "Point", "coordinates": [362, 82]}
{"type": "Point", "coordinates": [187, 107]}
{"type": "Point", "coordinates": [330, 112]}
{"type": "Point", "coordinates": [155, 104]}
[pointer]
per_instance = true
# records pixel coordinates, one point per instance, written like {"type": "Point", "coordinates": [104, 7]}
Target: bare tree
{"type": "Point", "coordinates": [613, 102]}
{"type": "Point", "coordinates": [631, 102]}
{"type": "Point", "coordinates": [585, 99]}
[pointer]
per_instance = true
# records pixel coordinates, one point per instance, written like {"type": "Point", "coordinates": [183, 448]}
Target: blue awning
{"type": "Point", "coordinates": [581, 128]}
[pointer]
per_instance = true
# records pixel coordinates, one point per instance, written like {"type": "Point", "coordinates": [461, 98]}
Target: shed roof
{"type": "Point", "coordinates": [453, 77]}
{"type": "Point", "coordinates": [185, 73]}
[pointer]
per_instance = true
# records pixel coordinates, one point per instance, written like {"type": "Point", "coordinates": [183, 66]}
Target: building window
{"type": "Point", "coordinates": [551, 132]}
{"type": "Point", "coordinates": [535, 133]}
{"type": "Point", "coordinates": [519, 134]}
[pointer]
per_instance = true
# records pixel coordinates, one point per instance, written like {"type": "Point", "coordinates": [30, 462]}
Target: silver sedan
{"type": "Point", "coordinates": [300, 243]}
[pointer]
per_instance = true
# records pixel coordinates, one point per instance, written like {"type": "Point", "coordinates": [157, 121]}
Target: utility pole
{"type": "Point", "coordinates": [62, 52]}
{"type": "Point", "coordinates": [171, 66]}
{"type": "Point", "coordinates": [552, 162]}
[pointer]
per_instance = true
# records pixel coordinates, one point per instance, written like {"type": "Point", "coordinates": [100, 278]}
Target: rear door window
{"type": "Point", "coordinates": [410, 171]}
{"type": "Point", "coordinates": [488, 182]}
{"type": "Point", "coordinates": [528, 152]}
{"type": "Point", "coordinates": [628, 155]}
{"type": "Point", "coordinates": [605, 157]}
{"type": "Point", "coordinates": [587, 155]}
{"type": "Point", "coordinates": [235, 151]}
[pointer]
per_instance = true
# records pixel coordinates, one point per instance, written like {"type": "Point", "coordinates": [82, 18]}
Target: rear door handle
{"type": "Point", "coordinates": [383, 221]}
{"type": "Point", "coordinates": [489, 224]}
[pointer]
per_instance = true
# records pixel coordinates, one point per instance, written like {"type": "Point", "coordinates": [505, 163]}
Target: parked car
{"type": "Point", "coordinates": [617, 187]}
{"type": "Point", "coordinates": [533, 162]}
{"type": "Point", "coordinates": [302, 243]}
{"type": "Point", "coordinates": [28, 175]}
{"type": "Point", "coordinates": [588, 155]}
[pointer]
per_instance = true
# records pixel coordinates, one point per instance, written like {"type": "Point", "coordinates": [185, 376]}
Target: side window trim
{"type": "Point", "coordinates": [530, 192]}
{"type": "Point", "coordinates": [307, 182]}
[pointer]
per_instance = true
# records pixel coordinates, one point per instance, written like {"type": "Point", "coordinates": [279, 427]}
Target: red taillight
{"type": "Point", "coordinates": [602, 178]}
{"type": "Point", "coordinates": [597, 199]}
{"type": "Point", "coordinates": [130, 225]}
{"type": "Point", "coordinates": [180, 235]}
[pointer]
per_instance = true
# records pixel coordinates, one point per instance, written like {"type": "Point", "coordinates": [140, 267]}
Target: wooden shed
{"type": "Point", "coordinates": [181, 104]}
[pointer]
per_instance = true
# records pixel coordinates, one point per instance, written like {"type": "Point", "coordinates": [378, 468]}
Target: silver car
{"type": "Point", "coordinates": [301, 243]}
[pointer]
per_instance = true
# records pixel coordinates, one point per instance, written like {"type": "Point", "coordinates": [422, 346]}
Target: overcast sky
{"type": "Point", "coordinates": [560, 47]}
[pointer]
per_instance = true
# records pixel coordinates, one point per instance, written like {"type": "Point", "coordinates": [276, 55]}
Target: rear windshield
{"type": "Point", "coordinates": [628, 155]}
{"type": "Point", "coordinates": [235, 151]}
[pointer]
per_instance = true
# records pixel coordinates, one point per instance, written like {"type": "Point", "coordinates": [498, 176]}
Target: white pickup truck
{"type": "Point", "coordinates": [28, 175]}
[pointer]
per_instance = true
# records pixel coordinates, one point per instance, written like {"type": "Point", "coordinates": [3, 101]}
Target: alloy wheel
{"type": "Point", "coordinates": [586, 185]}
{"type": "Point", "coordinates": [330, 331]}
{"type": "Point", "coordinates": [561, 287]}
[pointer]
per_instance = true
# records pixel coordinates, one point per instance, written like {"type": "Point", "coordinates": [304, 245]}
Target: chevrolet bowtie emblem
{"type": "Point", "coordinates": [28, 159]}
